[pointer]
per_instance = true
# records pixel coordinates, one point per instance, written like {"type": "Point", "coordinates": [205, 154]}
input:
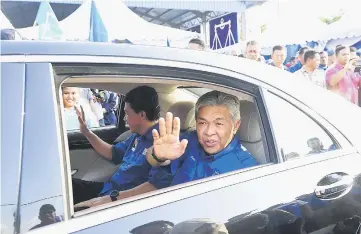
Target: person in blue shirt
{"type": "Point", "coordinates": [324, 60]}
{"type": "Point", "coordinates": [213, 148]}
{"type": "Point", "coordinates": [301, 60]}
{"type": "Point", "coordinates": [135, 175]}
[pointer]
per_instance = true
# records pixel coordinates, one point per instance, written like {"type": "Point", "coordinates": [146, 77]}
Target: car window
{"type": "Point", "coordinates": [297, 135]}
{"type": "Point", "coordinates": [126, 166]}
{"type": "Point", "coordinates": [99, 107]}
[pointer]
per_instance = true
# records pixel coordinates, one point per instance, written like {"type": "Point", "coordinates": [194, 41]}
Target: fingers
{"type": "Point", "coordinates": [169, 122]}
{"type": "Point", "coordinates": [162, 130]}
{"type": "Point", "coordinates": [184, 144]}
{"type": "Point", "coordinates": [77, 111]}
{"type": "Point", "coordinates": [155, 135]}
{"type": "Point", "coordinates": [176, 126]}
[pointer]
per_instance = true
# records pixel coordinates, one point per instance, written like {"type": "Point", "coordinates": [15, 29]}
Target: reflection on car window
{"type": "Point", "coordinates": [47, 215]}
{"type": "Point", "coordinates": [296, 133]}
{"type": "Point", "coordinates": [97, 108]}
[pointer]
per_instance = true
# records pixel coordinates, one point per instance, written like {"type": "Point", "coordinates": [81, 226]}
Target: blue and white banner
{"type": "Point", "coordinates": [223, 31]}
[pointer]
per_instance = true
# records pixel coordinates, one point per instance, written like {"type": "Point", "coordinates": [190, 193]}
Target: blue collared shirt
{"type": "Point", "coordinates": [323, 67]}
{"type": "Point", "coordinates": [135, 169]}
{"type": "Point", "coordinates": [296, 67]}
{"type": "Point", "coordinates": [196, 164]}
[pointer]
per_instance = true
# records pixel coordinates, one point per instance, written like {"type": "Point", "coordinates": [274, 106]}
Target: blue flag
{"type": "Point", "coordinates": [98, 31]}
{"type": "Point", "coordinates": [49, 28]}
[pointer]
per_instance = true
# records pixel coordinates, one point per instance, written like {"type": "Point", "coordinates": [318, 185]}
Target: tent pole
{"type": "Point", "coordinates": [243, 21]}
{"type": "Point", "coordinates": [204, 26]}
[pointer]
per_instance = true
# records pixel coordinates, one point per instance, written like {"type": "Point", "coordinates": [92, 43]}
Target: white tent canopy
{"type": "Point", "coordinates": [121, 23]}
{"type": "Point", "coordinates": [347, 27]}
{"type": "Point", "coordinates": [4, 22]}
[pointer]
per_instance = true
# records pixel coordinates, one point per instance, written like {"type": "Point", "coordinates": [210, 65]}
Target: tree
{"type": "Point", "coordinates": [332, 19]}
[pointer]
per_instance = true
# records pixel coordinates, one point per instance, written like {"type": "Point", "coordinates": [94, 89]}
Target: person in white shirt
{"type": "Point", "coordinates": [311, 71]}
{"type": "Point", "coordinates": [71, 98]}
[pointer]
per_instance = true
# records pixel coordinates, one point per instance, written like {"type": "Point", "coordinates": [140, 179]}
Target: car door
{"type": "Point", "coordinates": [286, 196]}
{"type": "Point", "coordinates": [314, 194]}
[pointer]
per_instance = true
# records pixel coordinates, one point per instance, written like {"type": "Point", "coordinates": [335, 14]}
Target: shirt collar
{"type": "Point", "coordinates": [231, 146]}
{"type": "Point", "coordinates": [148, 136]}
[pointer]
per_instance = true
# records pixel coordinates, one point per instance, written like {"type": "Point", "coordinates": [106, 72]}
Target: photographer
{"type": "Point", "coordinates": [343, 77]}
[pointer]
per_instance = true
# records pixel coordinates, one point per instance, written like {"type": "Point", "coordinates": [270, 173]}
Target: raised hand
{"type": "Point", "coordinates": [81, 117]}
{"type": "Point", "coordinates": [166, 143]}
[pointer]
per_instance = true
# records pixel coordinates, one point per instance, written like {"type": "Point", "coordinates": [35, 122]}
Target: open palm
{"type": "Point", "coordinates": [81, 117]}
{"type": "Point", "coordinates": [166, 143]}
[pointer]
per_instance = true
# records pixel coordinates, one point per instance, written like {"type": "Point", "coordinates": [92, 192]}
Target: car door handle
{"type": "Point", "coordinates": [332, 190]}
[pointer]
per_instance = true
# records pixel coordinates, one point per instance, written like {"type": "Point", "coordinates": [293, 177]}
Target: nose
{"type": "Point", "coordinates": [210, 130]}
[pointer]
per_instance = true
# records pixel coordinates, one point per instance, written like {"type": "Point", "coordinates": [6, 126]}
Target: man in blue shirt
{"type": "Point", "coordinates": [135, 175]}
{"type": "Point", "coordinates": [210, 150]}
{"type": "Point", "coordinates": [324, 60]}
{"type": "Point", "coordinates": [301, 60]}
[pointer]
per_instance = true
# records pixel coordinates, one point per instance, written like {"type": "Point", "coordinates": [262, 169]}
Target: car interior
{"type": "Point", "coordinates": [180, 99]}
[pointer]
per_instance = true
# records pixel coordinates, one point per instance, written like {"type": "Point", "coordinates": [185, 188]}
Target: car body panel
{"type": "Point", "coordinates": [278, 198]}
{"type": "Point", "coordinates": [283, 194]}
{"type": "Point", "coordinates": [41, 172]}
{"type": "Point", "coordinates": [12, 101]}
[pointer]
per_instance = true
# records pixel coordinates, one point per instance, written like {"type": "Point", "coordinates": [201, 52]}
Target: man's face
{"type": "Point", "coordinates": [315, 144]}
{"type": "Point", "coordinates": [253, 52]}
{"type": "Point", "coordinates": [70, 96]}
{"type": "Point", "coordinates": [47, 216]}
{"type": "Point", "coordinates": [343, 56]}
{"type": "Point", "coordinates": [324, 59]}
{"type": "Point", "coordinates": [215, 128]}
{"type": "Point", "coordinates": [194, 46]}
{"type": "Point", "coordinates": [133, 119]}
{"type": "Point", "coordinates": [315, 62]}
{"type": "Point", "coordinates": [278, 57]}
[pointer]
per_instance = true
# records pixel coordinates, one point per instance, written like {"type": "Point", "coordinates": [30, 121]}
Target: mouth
{"type": "Point", "coordinates": [210, 143]}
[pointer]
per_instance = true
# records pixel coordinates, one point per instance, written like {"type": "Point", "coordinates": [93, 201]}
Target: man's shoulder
{"type": "Point", "coordinates": [245, 156]}
{"type": "Point", "coordinates": [189, 135]}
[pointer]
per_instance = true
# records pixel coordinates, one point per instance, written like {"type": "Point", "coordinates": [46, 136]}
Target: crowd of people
{"type": "Point", "coordinates": [337, 70]}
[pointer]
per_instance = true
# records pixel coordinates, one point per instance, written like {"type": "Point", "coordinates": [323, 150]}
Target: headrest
{"type": "Point", "coordinates": [185, 111]}
{"type": "Point", "coordinates": [249, 130]}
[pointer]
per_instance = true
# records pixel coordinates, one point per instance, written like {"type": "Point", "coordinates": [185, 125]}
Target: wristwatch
{"type": "Point", "coordinates": [156, 158]}
{"type": "Point", "coordinates": [114, 195]}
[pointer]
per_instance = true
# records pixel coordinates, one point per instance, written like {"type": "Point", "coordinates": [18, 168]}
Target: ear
{"type": "Point", "coordinates": [143, 115]}
{"type": "Point", "coordinates": [236, 126]}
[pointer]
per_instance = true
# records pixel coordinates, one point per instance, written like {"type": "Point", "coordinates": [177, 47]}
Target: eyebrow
{"type": "Point", "coordinates": [217, 119]}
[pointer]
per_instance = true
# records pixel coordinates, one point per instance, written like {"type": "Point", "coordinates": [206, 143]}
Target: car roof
{"type": "Point", "coordinates": [330, 106]}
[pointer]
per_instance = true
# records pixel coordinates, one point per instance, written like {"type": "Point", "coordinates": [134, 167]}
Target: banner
{"type": "Point", "coordinates": [223, 31]}
{"type": "Point", "coordinates": [49, 28]}
{"type": "Point", "coordinates": [98, 31]}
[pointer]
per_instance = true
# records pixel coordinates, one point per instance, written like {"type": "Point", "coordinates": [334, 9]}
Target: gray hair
{"type": "Point", "coordinates": [216, 98]}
